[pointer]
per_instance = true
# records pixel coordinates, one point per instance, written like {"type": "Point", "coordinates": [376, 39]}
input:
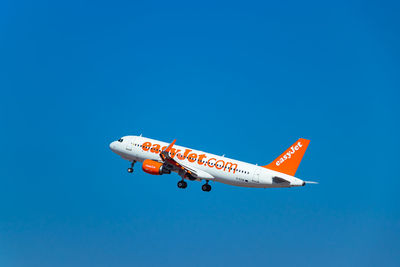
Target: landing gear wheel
{"type": "Point", "coordinates": [206, 187]}
{"type": "Point", "coordinates": [130, 170]}
{"type": "Point", "coordinates": [182, 184]}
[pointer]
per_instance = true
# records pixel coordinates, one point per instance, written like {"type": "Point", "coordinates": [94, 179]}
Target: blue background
{"type": "Point", "coordinates": [241, 78]}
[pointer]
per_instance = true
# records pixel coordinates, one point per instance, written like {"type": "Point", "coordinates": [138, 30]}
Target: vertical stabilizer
{"type": "Point", "coordinates": [289, 161]}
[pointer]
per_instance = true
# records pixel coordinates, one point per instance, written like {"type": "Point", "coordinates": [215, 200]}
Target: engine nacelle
{"type": "Point", "coordinates": [153, 167]}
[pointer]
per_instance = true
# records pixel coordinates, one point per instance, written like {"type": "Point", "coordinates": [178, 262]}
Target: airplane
{"type": "Point", "coordinates": [159, 158]}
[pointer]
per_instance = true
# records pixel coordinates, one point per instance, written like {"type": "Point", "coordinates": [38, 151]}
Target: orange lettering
{"type": "Point", "coordinates": [209, 162]}
{"type": "Point", "coordinates": [146, 146]}
{"type": "Point", "coordinates": [219, 166]}
{"type": "Point", "coordinates": [231, 167]}
{"type": "Point", "coordinates": [201, 157]}
{"type": "Point", "coordinates": [192, 157]}
{"type": "Point", "coordinates": [155, 148]}
{"type": "Point", "coordinates": [173, 152]}
{"type": "Point", "coordinates": [184, 155]}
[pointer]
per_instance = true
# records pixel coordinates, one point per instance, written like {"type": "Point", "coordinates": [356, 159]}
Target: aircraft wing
{"type": "Point", "coordinates": [166, 157]}
{"type": "Point", "coordinates": [196, 173]}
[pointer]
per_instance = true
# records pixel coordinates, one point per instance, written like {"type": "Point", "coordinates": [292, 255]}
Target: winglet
{"type": "Point", "coordinates": [165, 152]}
{"type": "Point", "coordinates": [289, 161]}
{"type": "Point", "coordinates": [170, 146]}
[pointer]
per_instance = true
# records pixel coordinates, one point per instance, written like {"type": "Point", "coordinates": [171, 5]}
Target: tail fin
{"type": "Point", "coordinates": [289, 161]}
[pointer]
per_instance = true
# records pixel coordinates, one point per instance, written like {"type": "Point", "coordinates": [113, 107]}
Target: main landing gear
{"type": "Point", "coordinates": [206, 187]}
{"type": "Point", "coordinates": [182, 184]}
{"type": "Point", "coordinates": [130, 170]}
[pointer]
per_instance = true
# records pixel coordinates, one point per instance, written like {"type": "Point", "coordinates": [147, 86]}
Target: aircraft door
{"type": "Point", "coordinates": [256, 176]}
{"type": "Point", "coordinates": [129, 144]}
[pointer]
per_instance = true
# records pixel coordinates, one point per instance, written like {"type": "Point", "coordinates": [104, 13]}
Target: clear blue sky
{"type": "Point", "coordinates": [241, 78]}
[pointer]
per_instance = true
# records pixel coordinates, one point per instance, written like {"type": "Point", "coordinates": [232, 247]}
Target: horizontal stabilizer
{"type": "Point", "coordinates": [279, 180]}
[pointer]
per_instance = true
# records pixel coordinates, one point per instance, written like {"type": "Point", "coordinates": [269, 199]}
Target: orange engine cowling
{"type": "Point", "coordinates": [152, 167]}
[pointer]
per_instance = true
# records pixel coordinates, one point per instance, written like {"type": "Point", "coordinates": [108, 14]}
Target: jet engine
{"type": "Point", "coordinates": [153, 167]}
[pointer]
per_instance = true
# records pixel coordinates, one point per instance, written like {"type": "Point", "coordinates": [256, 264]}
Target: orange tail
{"type": "Point", "coordinates": [289, 161]}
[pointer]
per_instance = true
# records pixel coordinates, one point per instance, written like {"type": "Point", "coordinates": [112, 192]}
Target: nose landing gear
{"type": "Point", "coordinates": [130, 170]}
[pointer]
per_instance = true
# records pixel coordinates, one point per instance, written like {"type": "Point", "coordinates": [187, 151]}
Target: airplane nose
{"type": "Point", "coordinates": [112, 146]}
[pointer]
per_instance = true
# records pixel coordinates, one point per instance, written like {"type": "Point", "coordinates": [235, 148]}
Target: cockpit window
{"type": "Point", "coordinates": [120, 140]}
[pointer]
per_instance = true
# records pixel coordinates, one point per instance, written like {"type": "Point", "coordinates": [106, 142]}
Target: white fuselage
{"type": "Point", "coordinates": [209, 166]}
